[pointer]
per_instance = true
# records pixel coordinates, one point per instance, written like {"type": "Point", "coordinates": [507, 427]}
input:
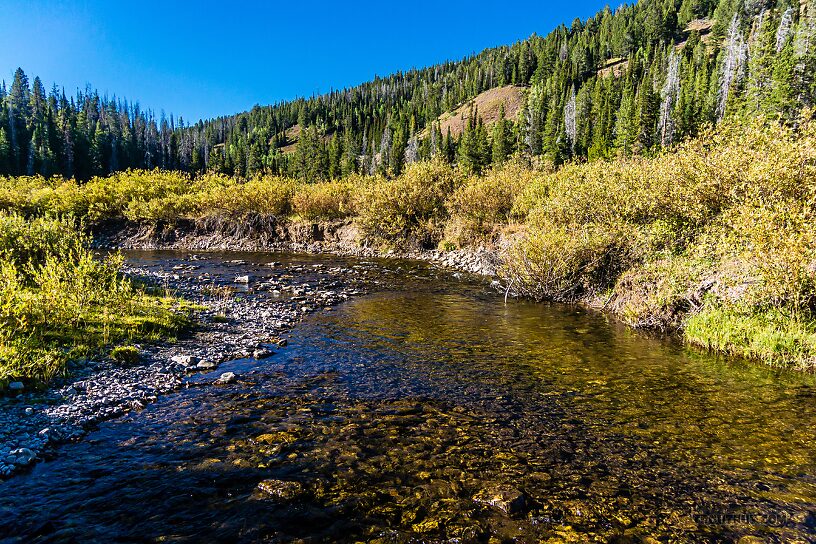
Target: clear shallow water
{"type": "Point", "coordinates": [402, 412]}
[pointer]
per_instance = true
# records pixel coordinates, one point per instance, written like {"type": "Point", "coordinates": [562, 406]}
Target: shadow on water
{"type": "Point", "coordinates": [431, 411]}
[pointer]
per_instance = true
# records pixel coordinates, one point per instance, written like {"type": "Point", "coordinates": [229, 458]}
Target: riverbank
{"type": "Point", "coordinates": [342, 238]}
{"type": "Point", "coordinates": [243, 317]}
{"type": "Point", "coordinates": [711, 241]}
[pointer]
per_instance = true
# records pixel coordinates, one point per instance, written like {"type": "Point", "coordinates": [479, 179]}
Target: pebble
{"type": "Point", "coordinates": [506, 499]}
{"type": "Point", "coordinates": [226, 378]}
{"type": "Point", "coordinates": [101, 390]}
{"type": "Point", "coordinates": [261, 353]}
{"type": "Point", "coordinates": [23, 457]}
{"type": "Point", "coordinates": [185, 360]}
{"type": "Point", "coordinates": [280, 490]}
{"type": "Point", "coordinates": [206, 365]}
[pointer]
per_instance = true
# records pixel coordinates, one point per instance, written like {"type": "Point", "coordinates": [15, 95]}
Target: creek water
{"type": "Point", "coordinates": [431, 410]}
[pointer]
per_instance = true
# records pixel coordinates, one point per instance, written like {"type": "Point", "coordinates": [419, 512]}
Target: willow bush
{"type": "Point", "coordinates": [411, 207]}
{"type": "Point", "coordinates": [715, 238]}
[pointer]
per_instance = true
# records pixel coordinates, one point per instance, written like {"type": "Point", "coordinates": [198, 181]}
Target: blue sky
{"type": "Point", "coordinates": [207, 58]}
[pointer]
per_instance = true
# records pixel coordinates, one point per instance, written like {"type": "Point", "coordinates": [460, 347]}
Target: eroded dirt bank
{"type": "Point", "coordinates": [342, 238]}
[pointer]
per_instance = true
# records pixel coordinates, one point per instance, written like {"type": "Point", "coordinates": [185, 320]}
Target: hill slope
{"type": "Point", "coordinates": [487, 105]}
{"type": "Point", "coordinates": [678, 65]}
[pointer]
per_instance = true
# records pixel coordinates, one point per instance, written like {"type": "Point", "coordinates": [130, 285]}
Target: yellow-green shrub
{"type": "Point", "coordinates": [481, 203]}
{"type": "Point", "coordinates": [265, 196]}
{"type": "Point", "coordinates": [58, 300]}
{"type": "Point", "coordinates": [326, 200]}
{"type": "Point", "coordinates": [410, 206]}
{"type": "Point", "coordinates": [715, 237]}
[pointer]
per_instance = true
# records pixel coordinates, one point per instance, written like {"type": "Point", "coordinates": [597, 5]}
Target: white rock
{"type": "Point", "coordinates": [186, 360]}
{"type": "Point", "coordinates": [226, 377]}
{"type": "Point", "coordinates": [24, 456]}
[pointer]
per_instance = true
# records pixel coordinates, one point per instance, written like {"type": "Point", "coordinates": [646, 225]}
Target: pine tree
{"type": "Point", "coordinates": [19, 113]}
{"type": "Point", "coordinates": [626, 127]}
{"type": "Point", "coordinates": [335, 157]}
{"type": "Point", "coordinates": [311, 159]}
{"type": "Point", "coordinates": [5, 151]}
{"type": "Point", "coordinates": [350, 153]}
{"type": "Point", "coordinates": [398, 145]}
{"type": "Point", "coordinates": [502, 143]}
{"type": "Point", "coordinates": [647, 109]}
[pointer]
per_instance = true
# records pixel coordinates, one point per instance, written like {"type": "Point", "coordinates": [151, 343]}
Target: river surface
{"type": "Point", "coordinates": [430, 410]}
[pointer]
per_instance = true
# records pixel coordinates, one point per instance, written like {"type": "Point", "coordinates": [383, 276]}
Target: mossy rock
{"type": "Point", "coordinates": [280, 437]}
{"type": "Point", "coordinates": [127, 355]}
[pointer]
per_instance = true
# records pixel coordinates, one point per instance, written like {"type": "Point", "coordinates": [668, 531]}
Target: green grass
{"type": "Point", "coordinates": [771, 336]}
{"type": "Point", "coordinates": [60, 302]}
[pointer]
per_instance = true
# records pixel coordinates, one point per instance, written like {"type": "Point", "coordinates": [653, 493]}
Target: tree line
{"type": "Point", "coordinates": [627, 81]}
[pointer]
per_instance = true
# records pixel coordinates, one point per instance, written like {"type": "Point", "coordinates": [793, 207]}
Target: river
{"type": "Point", "coordinates": [430, 410]}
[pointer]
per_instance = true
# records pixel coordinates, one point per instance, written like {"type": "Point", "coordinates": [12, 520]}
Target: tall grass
{"type": "Point", "coordinates": [58, 301]}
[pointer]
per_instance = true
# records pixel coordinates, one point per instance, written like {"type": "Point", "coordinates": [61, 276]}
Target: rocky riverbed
{"type": "Point", "coordinates": [246, 315]}
{"type": "Point", "coordinates": [429, 410]}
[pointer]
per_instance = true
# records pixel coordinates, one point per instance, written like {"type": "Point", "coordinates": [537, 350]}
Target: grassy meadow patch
{"type": "Point", "coordinates": [59, 301]}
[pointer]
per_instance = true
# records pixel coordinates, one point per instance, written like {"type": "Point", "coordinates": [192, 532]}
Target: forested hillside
{"type": "Point", "coordinates": [623, 82]}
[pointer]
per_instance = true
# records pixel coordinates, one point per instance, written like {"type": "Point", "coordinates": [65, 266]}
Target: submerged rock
{"type": "Point", "coordinates": [23, 456]}
{"type": "Point", "coordinates": [280, 489]}
{"type": "Point", "coordinates": [504, 498]}
{"type": "Point", "coordinates": [16, 386]}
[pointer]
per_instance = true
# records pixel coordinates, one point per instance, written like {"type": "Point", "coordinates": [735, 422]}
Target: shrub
{"type": "Point", "coordinates": [128, 355]}
{"type": "Point", "coordinates": [266, 196]}
{"type": "Point", "coordinates": [714, 237]}
{"type": "Point", "coordinates": [59, 301]}
{"type": "Point", "coordinates": [326, 200]}
{"type": "Point", "coordinates": [481, 203]}
{"type": "Point", "coordinates": [411, 206]}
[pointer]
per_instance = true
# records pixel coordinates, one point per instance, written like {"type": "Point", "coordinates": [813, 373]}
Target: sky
{"type": "Point", "coordinates": [205, 58]}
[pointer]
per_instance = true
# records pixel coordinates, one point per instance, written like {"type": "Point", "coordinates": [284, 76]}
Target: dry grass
{"type": "Point", "coordinates": [292, 135]}
{"type": "Point", "coordinates": [703, 26]}
{"type": "Point", "coordinates": [488, 105]}
{"type": "Point", "coordinates": [615, 67]}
